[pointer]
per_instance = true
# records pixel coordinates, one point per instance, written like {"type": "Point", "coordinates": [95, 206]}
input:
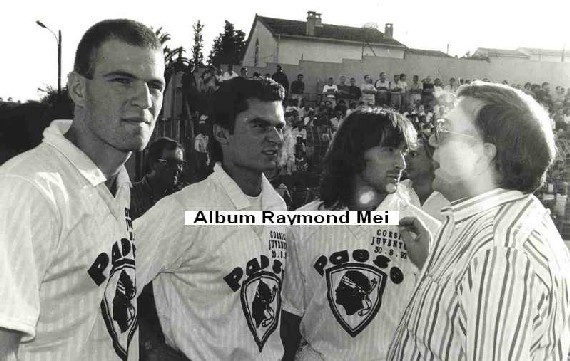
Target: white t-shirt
{"type": "Point", "coordinates": [228, 75]}
{"type": "Point", "coordinates": [67, 260]}
{"type": "Point", "coordinates": [217, 288]}
{"type": "Point", "coordinates": [330, 90]}
{"type": "Point", "coordinates": [350, 285]}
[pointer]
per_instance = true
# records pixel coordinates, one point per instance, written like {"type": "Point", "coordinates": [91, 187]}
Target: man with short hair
{"type": "Point", "coordinates": [280, 77]}
{"type": "Point", "coordinates": [330, 91]}
{"type": "Point", "coordinates": [495, 285]}
{"type": "Point", "coordinates": [164, 162]}
{"type": "Point", "coordinates": [354, 92]}
{"type": "Point", "coordinates": [368, 91]}
{"type": "Point", "coordinates": [298, 89]}
{"type": "Point", "coordinates": [383, 87]}
{"type": "Point", "coordinates": [343, 89]}
{"type": "Point", "coordinates": [218, 288]}
{"type": "Point", "coordinates": [66, 242]}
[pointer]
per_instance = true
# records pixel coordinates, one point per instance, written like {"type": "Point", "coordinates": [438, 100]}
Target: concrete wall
{"type": "Point", "coordinates": [291, 51]}
{"type": "Point", "coordinates": [267, 47]}
{"type": "Point", "coordinates": [514, 70]}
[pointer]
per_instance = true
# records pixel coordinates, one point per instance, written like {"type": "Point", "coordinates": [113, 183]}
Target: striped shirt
{"type": "Point", "coordinates": [494, 287]}
{"type": "Point", "coordinates": [67, 259]}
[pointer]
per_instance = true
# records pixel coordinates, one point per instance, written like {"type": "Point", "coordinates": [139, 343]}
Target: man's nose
{"type": "Point", "coordinates": [142, 97]}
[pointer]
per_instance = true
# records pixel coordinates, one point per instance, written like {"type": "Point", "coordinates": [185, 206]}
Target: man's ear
{"type": "Point", "coordinates": [76, 88]}
{"type": "Point", "coordinates": [221, 134]}
{"type": "Point", "coordinates": [490, 150]}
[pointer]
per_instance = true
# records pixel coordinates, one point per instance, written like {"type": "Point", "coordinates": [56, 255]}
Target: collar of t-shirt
{"type": "Point", "coordinates": [466, 207]}
{"type": "Point", "coordinates": [54, 136]}
{"type": "Point", "coordinates": [270, 199]}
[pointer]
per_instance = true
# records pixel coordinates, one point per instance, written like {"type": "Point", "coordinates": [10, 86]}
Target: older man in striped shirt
{"type": "Point", "coordinates": [494, 285]}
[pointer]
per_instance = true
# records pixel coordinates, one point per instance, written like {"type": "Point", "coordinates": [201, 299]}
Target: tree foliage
{"type": "Point", "coordinates": [228, 46]}
{"type": "Point", "coordinates": [197, 56]}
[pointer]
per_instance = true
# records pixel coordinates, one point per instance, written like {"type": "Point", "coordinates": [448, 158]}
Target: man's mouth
{"type": "Point", "coordinates": [136, 120]}
{"type": "Point", "coordinates": [270, 152]}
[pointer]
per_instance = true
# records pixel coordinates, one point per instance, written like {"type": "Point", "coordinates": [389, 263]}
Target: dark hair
{"type": "Point", "coordinates": [231, 99]}
{"type": "Point", "coordinates": [128, 31]}
{"type": "Point", "coordinates": [520, 130]}
{"type": "Point", "coordinates": [360, 131]}
{"type": "Point", "coordinates": [156, 148]}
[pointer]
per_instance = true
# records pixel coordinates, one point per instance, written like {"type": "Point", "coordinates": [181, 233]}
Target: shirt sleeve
{"type": "Point", "coordinates": [162, 239]}
{"type": "Point", "coordinates": [498, 296]}
{"type": "Point", "coordinates": [294, 282]}
{"type": "Point", "coordinates": [28, 235]}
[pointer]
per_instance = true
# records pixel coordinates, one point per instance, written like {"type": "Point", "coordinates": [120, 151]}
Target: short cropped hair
{"type": "Point", "coordinates": [156, 148]}
{"type": "Point", "coordinates": [520, 130]}
{"type": "Point", "coordinates": [128, 31]}
{"type": "Point", "coordinates": [360, 131]}
{"type": "Point", "coordinates": [231, 99]}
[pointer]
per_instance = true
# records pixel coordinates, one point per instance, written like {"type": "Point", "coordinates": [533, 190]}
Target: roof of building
{"type": "Point", "coordinates": [537, 51]}
{"type": "Point", "coordinates": [490, 52]}
{"type": "Point", "coordinates": [428, 52]}
{"type": "Point", "coordinates": [326, 31]}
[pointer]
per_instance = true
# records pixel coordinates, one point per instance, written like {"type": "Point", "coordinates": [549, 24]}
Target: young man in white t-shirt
{"type": "Point", "coordinates": [347, 286]}
{"type": "Point", "coordinates": [67, 253]}
{"type": "Point", "coordinates": [218, 288]}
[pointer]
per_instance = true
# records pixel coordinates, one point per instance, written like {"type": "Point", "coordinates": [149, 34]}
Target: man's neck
{"type": "Point", "coordinates": [364, 197]}
{"type": "Point", "coordinates": [107, 158]}
{"type": "Point", "coordinates": [248, 181]}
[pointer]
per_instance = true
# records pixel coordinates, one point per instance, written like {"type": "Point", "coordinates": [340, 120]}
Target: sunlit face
{"type": "Point", "coordinates": [383, 166]}
{"type": "Point", "coordinates": [457, 153]}
{"type": "Point", "coordinates": [124, 96]}
{"type": "Point", "coordinates": [257, 138]}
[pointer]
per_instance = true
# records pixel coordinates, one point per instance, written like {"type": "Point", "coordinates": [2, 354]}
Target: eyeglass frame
{"type": "Point", "coordinates": [441, 129]}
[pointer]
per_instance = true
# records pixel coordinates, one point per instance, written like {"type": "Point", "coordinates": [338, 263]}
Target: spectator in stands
{"type": "Point", "coordinates": [343, 89]}
{"type": "Point", "coordinates": [382, 86]}
{"type": "Point", "coordinates": [229, 74]}
{"type": "Point", "coordinates": [420, 174]}
{"type": "Point", "coordinates": [428, 96]}
{"type": "Point", "coordinates": [330, 91]}
{"type": "Point", "coordinates": [207, 81]}
{"type": "Point", "coordinates": [415, 89]}
{"type": "Point", "coordinates": [405, 93]}
{"type": "Point", "coordinates": [280, 77]}
{"type": "Point", "coordinates": [396, 93]}
{"type": "Point", "coordinates": [298, 89]}
{"type": "Point", "coordinates": [368, 91]}
{"type": "Point", "coordinates": [354, 92]}
{"type": "Point", "coordinates": [243, 72]}
{"type": "Point", "coordinates": [452, 86]}
{"type": "Point", "coordinates": [164, 161]}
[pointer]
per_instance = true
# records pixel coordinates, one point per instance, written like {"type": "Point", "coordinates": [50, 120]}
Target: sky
{"type": "Point", "coordinates": [28, 60]}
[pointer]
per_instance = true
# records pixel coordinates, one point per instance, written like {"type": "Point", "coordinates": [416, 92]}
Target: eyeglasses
{"type": "Point", "coordinates": [171, 162]}
{"type": "Point", "coordinates": [442, 132]}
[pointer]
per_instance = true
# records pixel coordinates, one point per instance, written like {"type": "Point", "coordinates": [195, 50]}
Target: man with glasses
{"type": "Point", "coordinates": [495, 284]}
{"type": "Point", "coordinates": [165, 163]}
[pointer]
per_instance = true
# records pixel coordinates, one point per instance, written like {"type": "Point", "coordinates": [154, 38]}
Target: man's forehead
{"type": "Point", "coordinates": [172, 154]}
{"type": "Point", "coordinates": [113, 55]}
{"type": "Point", "coordinates": [271, 111]}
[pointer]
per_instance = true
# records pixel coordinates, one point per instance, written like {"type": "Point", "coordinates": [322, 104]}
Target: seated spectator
{"type": "Point", "coordinates": [396, 93]}
{"type": "Point", "coordinates": [343, 89]}
{"type": "Point", "coordinates": [243, 72]}
{"type": "Point", "coordinates": [229, 74]}
{"type": "Point", "coordinates": [415, 90]}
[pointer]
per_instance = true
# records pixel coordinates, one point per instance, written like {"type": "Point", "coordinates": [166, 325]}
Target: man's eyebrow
{"type": "Point", "coordinates": [119, 73]}
{"type": "Point", "coordinates": [126, 74]}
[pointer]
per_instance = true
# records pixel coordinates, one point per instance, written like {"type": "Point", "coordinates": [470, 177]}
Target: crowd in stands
{"type": "Point", "coordinates": [312, 121]}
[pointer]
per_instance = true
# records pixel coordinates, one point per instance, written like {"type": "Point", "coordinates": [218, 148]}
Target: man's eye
{"type": "Point", "coordinates": [125, 81]}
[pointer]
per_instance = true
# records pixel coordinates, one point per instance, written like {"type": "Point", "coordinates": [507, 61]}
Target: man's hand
{"type": "Point", "coordinates": [417, 239]}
